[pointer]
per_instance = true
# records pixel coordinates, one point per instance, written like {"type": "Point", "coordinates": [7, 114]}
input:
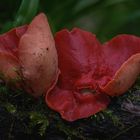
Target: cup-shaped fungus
{"type": "Point", "coordinates": [29, 52]}
{"type": "Point", "coordinates": [9, 65]}
{"type": "Point", "coordinates": [91, 71]}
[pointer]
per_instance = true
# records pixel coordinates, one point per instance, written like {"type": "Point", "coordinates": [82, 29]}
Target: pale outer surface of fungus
{"type": "Point", "coordinates": [38, 57]}
{"type": "Point", "coordinates": [124, 77]}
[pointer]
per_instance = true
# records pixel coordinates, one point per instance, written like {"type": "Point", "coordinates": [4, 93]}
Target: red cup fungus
{"type": "Point", "coordinates": [91, 71]}
{"type": "Point", "coordinates": [29, 52]}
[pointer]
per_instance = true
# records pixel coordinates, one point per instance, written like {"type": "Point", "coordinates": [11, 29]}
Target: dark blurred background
{"type": "Point", "coordinates": [105, 18]}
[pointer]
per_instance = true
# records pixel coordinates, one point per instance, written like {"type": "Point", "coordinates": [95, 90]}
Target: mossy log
{"type": "Point", "coordinates": [22, 116]}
